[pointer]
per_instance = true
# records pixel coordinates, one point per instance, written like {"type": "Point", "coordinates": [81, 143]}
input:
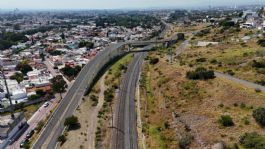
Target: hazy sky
{"type": "Point", "coordinates": [112, 4]}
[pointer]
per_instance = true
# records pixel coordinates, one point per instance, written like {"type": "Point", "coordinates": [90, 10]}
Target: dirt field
{"type": "Point", "coordinates": [174, 107]}
{"type": "Point", "coordinates": [84, 137]}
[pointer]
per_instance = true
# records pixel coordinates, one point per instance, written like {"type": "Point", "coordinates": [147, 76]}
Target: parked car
{"type": "Point", "coordinates": [46, 104]}
{"type": "Point", "coordinates": [29, 134]}
{"type": "Point", "coordinates": [23, 142]}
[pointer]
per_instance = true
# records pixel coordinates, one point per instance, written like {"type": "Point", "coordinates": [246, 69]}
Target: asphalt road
{"type": "Point", "coordinates": [54, 127]}
{"type": "Point", "coordinates": [125, 131]}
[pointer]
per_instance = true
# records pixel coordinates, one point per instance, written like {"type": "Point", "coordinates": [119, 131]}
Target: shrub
{"type": "Point", "coordinates": [261, 42]}
{"type": "Point", "coordinates": [230, 72]}
{"type": "Point", "coordinates": [213, 61]}
{"type": "Point", "coordinates": [108, 95]}
{"type": "Point", "coordinates": [201, 59]}
{"type": "Point", "coordinates": [260, 52]}
{"type": "Point", "coordinates": [259, 115]}
{"type": "Point", "coordinates": [185, 141]}
{"type": "Point", "coordinates": [257, 90]}
{"type": "Point", "coordinates": [242, 105]}
{"type": "Point", "coordinates": [226, 121]}
{"type": "Point", "coordinates": [40, 92]}
{"type": "Point", "coordinates": [61, 138]}
{"type": "Point", "coordinates": [200, 74]}
{"type": "Point", "coordinates": [94, 99]}
{"type": "Point", "coordinates": [252, 141]}
{"type": "Point", "coordinates": [39, 126]}
{"type": "Point", "coordinates": [153, 61]}
{"type": "Point", "coordinates": [257, 64]}
{"type": "Point", "coordinates": [34, 97]}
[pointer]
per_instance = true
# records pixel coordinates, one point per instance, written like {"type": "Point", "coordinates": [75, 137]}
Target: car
{"type": "Point", "coordinates": [46, 104]}
{"type": "Point", "coordinates": [23, 142]}
{"type": "Point", "coordinates": [29, 134]}
{"type": "Point", "coordinates": [11, 141]}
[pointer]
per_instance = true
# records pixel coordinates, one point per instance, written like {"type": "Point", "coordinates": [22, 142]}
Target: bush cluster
{"type": "Point", "coordinates": [153, 61]}
{"type": "Point", "coordinates": [259, 115]}
{"type": "Point", "coordinates": [200, 74]}
{"type": "Point", "coordinates": [252, 141]}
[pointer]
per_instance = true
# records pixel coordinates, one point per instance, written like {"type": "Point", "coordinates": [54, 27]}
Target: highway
{"type": "Point", "coordinates": [125, 131]}
{"type": "Point", "coordinates": [54, 128]}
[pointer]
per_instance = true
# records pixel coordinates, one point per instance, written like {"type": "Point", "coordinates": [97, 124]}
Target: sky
{"type": "Point", "coordinates": [118, 4]}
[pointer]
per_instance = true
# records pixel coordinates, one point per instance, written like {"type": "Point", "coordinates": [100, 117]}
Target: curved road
{"type": "Point", "coordinates": [125, 131]}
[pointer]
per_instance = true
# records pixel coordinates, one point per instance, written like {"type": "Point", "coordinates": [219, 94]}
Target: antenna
{"type": "Point", "coordinates": [8, 94]}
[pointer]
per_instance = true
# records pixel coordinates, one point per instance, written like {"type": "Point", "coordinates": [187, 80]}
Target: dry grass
{"type": "Point", "coordinates": [197, 106]}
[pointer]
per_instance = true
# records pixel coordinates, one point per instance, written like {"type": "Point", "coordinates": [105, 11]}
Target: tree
{"type": "Point", "coordinates": [71, 121]}
{"type": "Point", "coordinates": [226, 121]}
{"type": "Point", "coordinates": [61, 138]}
{"type": "Point", "coordinates": [24, 67]}
{"type": "Point", "coordinates": [86, 44]}
{"type": "Point", "coordinates": [71, 72]}
{"type": "Point", "coordinates": [42, 56]}
{"type": "Point", "coordinates": [17, 76]}
{"type": "Point", "coordinates": [59, 85]}
{"type": "Point", "coordinates": [259, 115]}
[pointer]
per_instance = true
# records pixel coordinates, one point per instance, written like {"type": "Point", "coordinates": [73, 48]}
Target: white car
{"type": "Point", "coordinates": [46, 104]}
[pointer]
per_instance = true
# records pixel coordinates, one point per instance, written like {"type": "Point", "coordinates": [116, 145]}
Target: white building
{"type": "Point", "coordinates": [17, 92]}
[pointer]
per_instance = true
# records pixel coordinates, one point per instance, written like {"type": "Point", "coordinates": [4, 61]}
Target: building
{"type": "Point", "coordinates": [10, 127]}
{"type": "Point", "coordinates": [17, 91]}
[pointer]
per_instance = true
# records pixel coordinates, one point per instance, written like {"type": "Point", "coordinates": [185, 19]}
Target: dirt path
{"type": "Point", "coordinates": [240, 81]}
{"type": "Point", "coordinates": [91, 131]}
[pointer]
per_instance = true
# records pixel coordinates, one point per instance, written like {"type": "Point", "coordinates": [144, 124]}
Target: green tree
{"type": "Point", "coordinates": [71, 121]}
{"type": "Point", "coordinates": [59, 85]}
{"type": "Point", "coordinates": [71, 72]}
{"type": "Point", "coordinates": [86, 44]}
{"type": "Point", "coordinates": [24, 67]}
{"type": "Point", "coordinates": [17, 76]}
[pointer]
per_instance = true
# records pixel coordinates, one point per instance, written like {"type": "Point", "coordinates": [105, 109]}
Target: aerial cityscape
{"type": "Point", "coordinates": [132, 74]}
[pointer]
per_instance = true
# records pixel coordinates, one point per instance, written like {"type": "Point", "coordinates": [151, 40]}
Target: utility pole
{"type": "Point", "coordinates": [8, 94]}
